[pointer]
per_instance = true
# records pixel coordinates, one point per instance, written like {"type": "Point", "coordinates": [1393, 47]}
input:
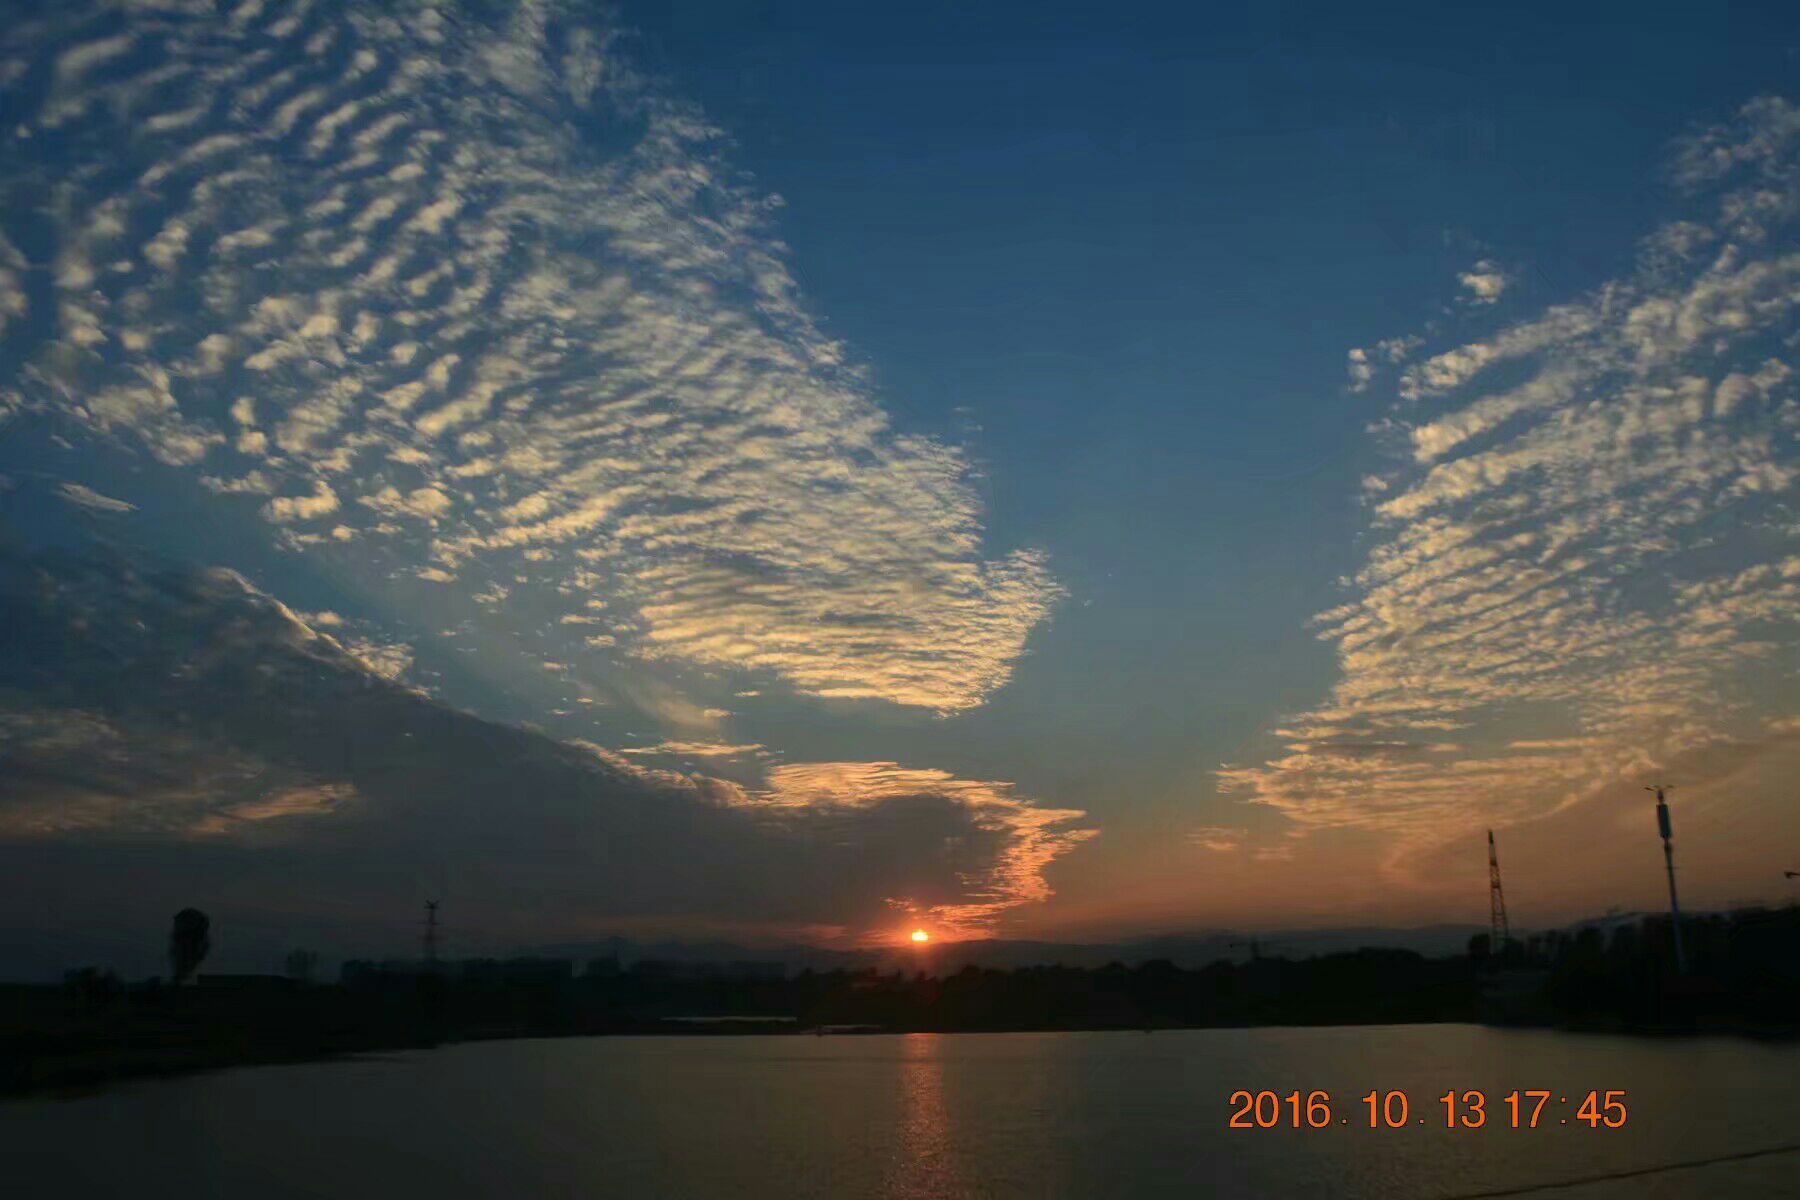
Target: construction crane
{"type": "Point", "coordinates": [1500, 931]}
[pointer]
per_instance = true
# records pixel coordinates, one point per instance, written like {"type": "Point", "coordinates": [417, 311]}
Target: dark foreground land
{"type": "Point", "coordinates": [1744, 976]}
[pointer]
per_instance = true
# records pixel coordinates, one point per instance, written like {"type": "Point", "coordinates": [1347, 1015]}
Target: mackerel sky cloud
{"type": "Point", "coordinates": [481, 304]}
{"type": "Point", "coordinates": [1589, 528]}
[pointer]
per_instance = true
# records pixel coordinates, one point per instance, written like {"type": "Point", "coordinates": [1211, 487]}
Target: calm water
{"type": "Point", "coordinates": [1006, 1115]}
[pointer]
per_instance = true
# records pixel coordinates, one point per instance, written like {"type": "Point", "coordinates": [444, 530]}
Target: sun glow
{"type": "Point", "coordinates": [920, 936]}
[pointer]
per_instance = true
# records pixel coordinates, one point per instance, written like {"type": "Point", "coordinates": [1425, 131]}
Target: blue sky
{"type": "Point", "coordinates": [936, 433]}
{"type": "Point", "coordinates": [1130, 248]}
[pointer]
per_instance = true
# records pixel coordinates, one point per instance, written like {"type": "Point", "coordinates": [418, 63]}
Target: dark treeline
{"type": "Point", "coordinates": [1743, 972]}
{"type": "Point", "coordinates": [1360, 987]}
{"type": "Point", "coordinates": [1744, 975]}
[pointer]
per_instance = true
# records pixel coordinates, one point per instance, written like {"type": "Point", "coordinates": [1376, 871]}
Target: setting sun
{"type": "Point", "coordinates": [919, 935]}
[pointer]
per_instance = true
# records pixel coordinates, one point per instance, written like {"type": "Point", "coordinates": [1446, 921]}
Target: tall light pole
{"type": "Point", "coordinates": [1668, 840]}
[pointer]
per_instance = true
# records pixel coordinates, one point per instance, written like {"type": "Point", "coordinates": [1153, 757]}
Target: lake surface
{"type": "Point", "coordinates": [1082, 1115]}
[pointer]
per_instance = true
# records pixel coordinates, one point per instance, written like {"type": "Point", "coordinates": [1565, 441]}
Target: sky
{"type": "Point", "coordinates": [800, 472]}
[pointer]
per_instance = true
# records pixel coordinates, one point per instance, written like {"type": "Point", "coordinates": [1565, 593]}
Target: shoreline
{"type": "Point", "coordinates": [103, 1066]}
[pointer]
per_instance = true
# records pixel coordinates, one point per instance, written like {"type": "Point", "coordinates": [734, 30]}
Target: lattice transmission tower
{"type": "Point", "coordinates": [429, 939]}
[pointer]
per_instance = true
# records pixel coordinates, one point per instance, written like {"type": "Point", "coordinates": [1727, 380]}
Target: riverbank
{"type": "Point", "coordinates": [38, 1071]}
{"type": "Point", "coordinates": [1741, 980]}
{"type": "Point", "coordinates": [78, 1063]}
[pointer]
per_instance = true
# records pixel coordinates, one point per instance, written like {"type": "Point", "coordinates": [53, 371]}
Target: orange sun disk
{"type": "Point", "coordinates": [919, 935]}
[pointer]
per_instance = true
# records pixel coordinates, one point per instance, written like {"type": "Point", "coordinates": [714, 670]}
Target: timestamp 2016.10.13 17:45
{"type": "Point", "coordinates": [1525, 1108]}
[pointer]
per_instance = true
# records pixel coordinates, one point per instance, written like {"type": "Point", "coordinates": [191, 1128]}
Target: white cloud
{"type": "Point", "coordinates": [1028, 838]}
{"type": "Point", "coordinates": [390, 660]}
{"type": "Point", "coordinates": [424, 503]}
{"type": "Point", "coordinates": [518, 354]}
{"type": "Point", "coordinates": [1583, 566]}
{"type": "Point", "coordinates": [680, 749]}
{"type": "Point", "coordinates": [1220, 839]}
{"type": "Point", "coordinates": [86, 497]}
{"type": "Point", "coordinates": [305, 800]}
{"type": "Point", "coordinates": [79, 59]}
{"type": "Point", "coordinates": [303, 508]}
{"type": "Point", "coordinates": [1485, 282]}
{"type": "Point", "coordinates": [14, 304]}
{"type": "Point", "coordinates": [1396, 349]}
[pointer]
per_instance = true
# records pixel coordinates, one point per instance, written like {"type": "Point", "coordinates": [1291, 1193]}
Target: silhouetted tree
{"type": "Point", "coordinates": [189, 942]}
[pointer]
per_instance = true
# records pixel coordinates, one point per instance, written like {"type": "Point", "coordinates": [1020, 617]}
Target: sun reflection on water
{"type": "Point", "coordinates": [924, 1163]}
